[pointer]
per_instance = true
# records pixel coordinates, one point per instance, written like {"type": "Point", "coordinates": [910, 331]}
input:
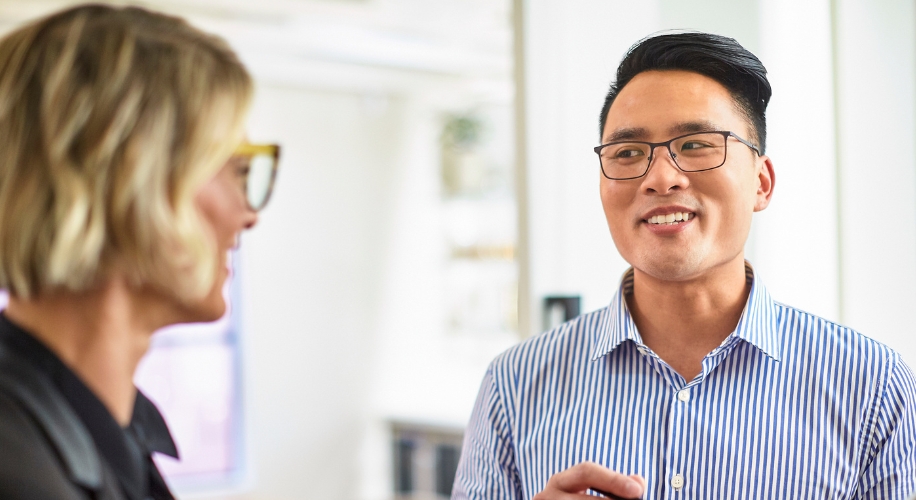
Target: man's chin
{"type": "Point", "coordinates": [670, 268]}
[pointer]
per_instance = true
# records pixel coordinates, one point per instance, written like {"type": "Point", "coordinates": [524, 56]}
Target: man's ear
{"type": "Point", "coordinates": [766, 179]}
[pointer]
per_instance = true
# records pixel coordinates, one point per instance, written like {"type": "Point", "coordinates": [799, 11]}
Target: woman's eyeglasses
{"type": "Point", "coordinates": [258, 165]}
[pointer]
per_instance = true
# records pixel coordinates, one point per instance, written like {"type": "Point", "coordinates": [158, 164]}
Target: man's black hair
{"type": "Point", "coordinates": [721, 58]}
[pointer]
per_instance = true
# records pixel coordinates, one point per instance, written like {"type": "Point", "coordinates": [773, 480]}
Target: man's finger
{"type": "Point", "coordinates": [589, 475]}
{"type": "Point", "coordinates": [639, 479]}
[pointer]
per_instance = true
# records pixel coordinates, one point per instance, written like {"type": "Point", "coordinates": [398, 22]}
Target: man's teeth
{"type": "Point", "coordinates": [670, 218]}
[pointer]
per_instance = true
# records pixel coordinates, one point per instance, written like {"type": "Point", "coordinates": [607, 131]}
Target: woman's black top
{"type": "Point", "coordinates": [58, 441]}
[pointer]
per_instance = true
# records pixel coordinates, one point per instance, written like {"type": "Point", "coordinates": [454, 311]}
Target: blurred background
{"type": "Point", "coordinates": [438, 202]}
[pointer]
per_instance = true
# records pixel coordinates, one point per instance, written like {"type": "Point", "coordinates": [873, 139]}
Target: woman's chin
{"type": "Point", "coordinates": [212, 311]}
{"type": "Point", "coordinates": [214, 305]}
{"type": "Point", "coordinates": [205, 311]}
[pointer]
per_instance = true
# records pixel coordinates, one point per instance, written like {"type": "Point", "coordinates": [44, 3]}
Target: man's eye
{"type": "Point", "coordinates": [695, 145]}
{"type": "Point", "coordinates": [625, 153]}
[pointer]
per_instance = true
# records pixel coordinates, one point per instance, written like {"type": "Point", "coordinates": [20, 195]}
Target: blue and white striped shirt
{"type": "Point", "coordinates": [789, 406]}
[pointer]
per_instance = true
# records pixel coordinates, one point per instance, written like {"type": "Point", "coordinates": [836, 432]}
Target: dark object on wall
{"type": "Point", "coordinates": [559, 309]}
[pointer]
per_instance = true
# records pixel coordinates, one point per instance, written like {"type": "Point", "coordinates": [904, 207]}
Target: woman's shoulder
{"type": "Point", "coordinates": [29, 466]}
{"type": "Point", "coordinates": [47, 453]}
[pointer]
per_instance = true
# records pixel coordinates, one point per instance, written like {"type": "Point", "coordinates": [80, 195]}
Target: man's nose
{"type": "Point", "coordinates": [663, 174]}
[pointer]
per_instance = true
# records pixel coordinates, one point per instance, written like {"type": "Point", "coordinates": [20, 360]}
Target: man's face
{"type": "Point", "coordinates": [656, 106]}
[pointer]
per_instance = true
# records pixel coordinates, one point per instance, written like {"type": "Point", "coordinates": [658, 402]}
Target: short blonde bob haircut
{"type": "Point", "coordinates": [111, 119]}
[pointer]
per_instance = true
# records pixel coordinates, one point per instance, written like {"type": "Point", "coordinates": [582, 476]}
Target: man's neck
{"type": "Point", "coordinates": [100, 334]}
{"type": "Point", "coordinates": [682, 321]}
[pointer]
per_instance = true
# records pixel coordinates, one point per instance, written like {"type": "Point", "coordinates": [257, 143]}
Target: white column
{"type": "Point", "coordinates": [738, 19]}
{"type": "Point", "coordinates": [795, 244]}
{"type": "Point", "coordinates": [876, 83]}
{"type": "Point", "coordinates": [572, 49]}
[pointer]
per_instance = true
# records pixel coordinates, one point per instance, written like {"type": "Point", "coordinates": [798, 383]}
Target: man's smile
{"type": "Point", "coordinates": [671, 218]}
{"type": "Point", "coordinates": [669, 215]}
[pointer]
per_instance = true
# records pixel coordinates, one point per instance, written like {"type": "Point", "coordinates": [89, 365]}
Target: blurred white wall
{"type": "Point", "coordinates": [571, 52]}
{"type": "Point", "coordinates": [876, 85]}
{"type": "Point", "coordinates": [794, 245]}
{"type": "Point", "coordinates": [311, 283]}
{"type": "Point", "coordinates": [343, 279]}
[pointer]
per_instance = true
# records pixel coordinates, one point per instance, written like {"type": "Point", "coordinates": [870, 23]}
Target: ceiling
{"type": "Point", "coordinates": [362, 45]}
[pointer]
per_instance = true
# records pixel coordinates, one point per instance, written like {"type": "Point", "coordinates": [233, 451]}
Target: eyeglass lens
{"type": "Point", "coordinates": [260, 180]}
{"type": "Point", "coordinates": [695, 152]}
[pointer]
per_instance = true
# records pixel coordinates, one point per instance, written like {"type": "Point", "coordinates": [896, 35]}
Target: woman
{"type": "Point", "coordinates": [124, 182]}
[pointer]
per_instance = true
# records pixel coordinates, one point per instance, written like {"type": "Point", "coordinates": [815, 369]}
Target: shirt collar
{"type": "Point", "coordinates": [757, 325]}
{"type": "Point", "coordinates": [126, 451]}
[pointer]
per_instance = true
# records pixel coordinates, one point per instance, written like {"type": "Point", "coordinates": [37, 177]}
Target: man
{"type": "Point", "coordinates": [693, 383]}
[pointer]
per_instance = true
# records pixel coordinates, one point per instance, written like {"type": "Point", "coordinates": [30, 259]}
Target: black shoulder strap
{"type": "Point", "coordinates": [64, 429]}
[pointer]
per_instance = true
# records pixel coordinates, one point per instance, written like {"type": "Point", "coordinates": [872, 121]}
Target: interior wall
{"type": "Point", "coordinates": [570, 55]}
{"type": "Point", "coordinates": [311, 275]}
{"type": "Point", "coordinates": [876, 82]}
{"type": "Point", "coordinates": [343, 324]}
{"type": "Point", "coordinates": [739, 19]}
{"type": "Point", "coordinates": [795, 242]}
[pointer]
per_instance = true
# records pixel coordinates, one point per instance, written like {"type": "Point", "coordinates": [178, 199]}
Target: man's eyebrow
{"type": "Point", "coordinates": [627, 134]}
{"type": "Point", "coordinates": [694, 126]}
{"type": "Point", "coordinates": [641, 133]}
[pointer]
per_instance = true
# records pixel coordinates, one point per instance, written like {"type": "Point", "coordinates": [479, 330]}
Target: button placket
{"type": "Point", "coordinates": [681, 408]}
{"type": "Point", "coordinates": [675, 429]}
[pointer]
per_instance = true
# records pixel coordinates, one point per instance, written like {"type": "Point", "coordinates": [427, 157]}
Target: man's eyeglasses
{"type": "Point", "coordinates": [697, 152]}
{"type": "Point", "coordinates": [258, 165]}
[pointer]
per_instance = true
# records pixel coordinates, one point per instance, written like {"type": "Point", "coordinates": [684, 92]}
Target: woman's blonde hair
{"type": "Point", "coordinates": [111, 119]}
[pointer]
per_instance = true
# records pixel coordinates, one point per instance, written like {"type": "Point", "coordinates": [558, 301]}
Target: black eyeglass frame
{"type": "Point", "coordinates": [652, 145]}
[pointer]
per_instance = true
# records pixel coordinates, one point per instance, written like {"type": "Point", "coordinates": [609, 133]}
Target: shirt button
{"type": "Point", "coordinates": [677, 481]}
{"type": "Point", "coordinates": [683, 395]}
{"type": "Point", "coordinates": [641, 350]}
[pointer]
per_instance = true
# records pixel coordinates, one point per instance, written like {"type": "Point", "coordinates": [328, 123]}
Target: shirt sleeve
{"type": "Point", "coordinates": [891, 472]}
{"type": "Point", "coordinates": [487, 469]}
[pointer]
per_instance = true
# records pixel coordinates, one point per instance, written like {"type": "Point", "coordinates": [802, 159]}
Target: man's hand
{"type": "Point", "coordinates": [573, 483]}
